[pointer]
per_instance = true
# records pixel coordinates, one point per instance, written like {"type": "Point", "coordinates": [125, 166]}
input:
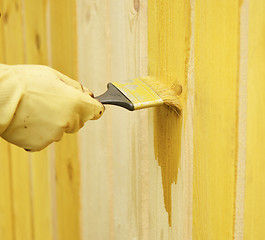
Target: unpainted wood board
{"type": "Point", "coordinates": [215, 118]}
{"type": "Point", "coordinates": [96, 185]}
{"type": "Point", "coordinates": [13, 31]}
{"type": "Point", "coordinates": [40, 163]}
{"type": "Point", "coordinates": [126, 137]}
{"type": "Point", "coordinates": [18, 158]}
{"type": "Point", "coordinates": [109, 50]}
{"type": "Point", "coordinates": [255, 181]}
{"type": "Point", "coordinates": [67, 167]}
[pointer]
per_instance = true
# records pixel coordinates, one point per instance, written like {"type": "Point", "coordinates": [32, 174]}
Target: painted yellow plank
{"type": "Point", "coordinates": [2, 54]}
{"type": "Point", "coordinates": [21, 193]}
{"type": "Point", "coordinates": [41, 172]}
{"type": "Point", "coordinates": [20, 181]}
{"type": "Point", "coordinates": [169, 32]}
{"type": "Point", "coordinates": [43, 215]}
{"type": "Point", "coordinates": [35, 32]}
{"type": "Point", "coordinates": [112, 45]}
{"type": "Point", "coordinates": [12, 26]}
{"type": "Point", "coordinates": [215, 118]}
{"type": "Point", "coordinates": [6, 211]}
{"type": "Point", "coordinates": [255, 164]}
{"type": "Point", "coordinates": [64, 59]}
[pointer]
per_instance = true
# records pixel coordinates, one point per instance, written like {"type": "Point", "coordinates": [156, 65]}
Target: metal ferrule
{"type": "Point", "coordinates": [140, 94]}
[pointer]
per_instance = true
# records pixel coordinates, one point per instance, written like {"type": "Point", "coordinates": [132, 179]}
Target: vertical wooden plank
{"type": "Point", "coordinates": [124, 63]}
{"type": "Point", "coordinates": [169, 34]}
{"type": "Point", "coordinates": [255, 182]}
{"type": "Point", "coordinates": [215, 118]}
{"type": "Point", "coordinates": [242, 121]}
{"type": "Point", "coordinates": [13, 32]}
{"type": "Point", "coordinates": [112, 47]}
{"type": "Point", "coordinates": [41, 196]}
{"type": "Point", "coordinates": [6, 211]}
{"type": "Point", "coordinates": [21, 193]}
{"type": "Point", "coordinates": [2, 53]}
{"type": "Point", "coordinates": [35, 31]}
{"type": "Point", "coordinates": [64, 58]}
{"type": "Point", "coordinates": [20, 173]}
{"type": "Point", "coordinates": [36, 53]}
{"type": "Point", "coordinates": [93, 72]}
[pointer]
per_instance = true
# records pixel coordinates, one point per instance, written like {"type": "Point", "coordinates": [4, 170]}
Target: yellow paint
{"type": "Point", "coordinates": [41, 168]}
{"type": "Point", "coordinates": [215, 118]}
{"type": "Point", "coordinates": [2, 49]}
{"type": "Point", "coordinates": [35, 18]}
{"type": "Point", "coordinates": [43, 215]}
{"type": "Point", "coordinates": [6, 211]}
{"type": "Point", "coordinates": [18, 158]}
{"type": "Point", "coordinates": [168, 54]}
{"type": "Point", "coordinates": [255, 164]}
{"type": "Point", "coordinates": [64, 59]}
{"type": "Point", "coordinates": [21, 193]}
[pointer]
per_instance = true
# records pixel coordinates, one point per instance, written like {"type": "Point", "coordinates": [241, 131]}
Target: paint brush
{"type": "Point", "coordinates": [140, 93]}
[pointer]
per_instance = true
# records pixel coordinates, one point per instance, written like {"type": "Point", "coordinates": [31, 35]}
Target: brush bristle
{"type": "Point", "coordinates": [167, 94]}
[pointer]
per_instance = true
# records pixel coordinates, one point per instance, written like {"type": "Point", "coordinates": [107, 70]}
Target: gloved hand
{"type": "Point", "coordinates": [39, 104]}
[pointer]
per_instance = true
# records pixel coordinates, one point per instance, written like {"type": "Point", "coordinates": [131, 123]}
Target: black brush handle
{"type": "Point", "coordinates": [114, 96]}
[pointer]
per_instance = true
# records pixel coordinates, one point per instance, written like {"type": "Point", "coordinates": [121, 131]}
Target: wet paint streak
{"type": "Point", "coordinates": [169, 32]}
{"type": "Point", "coordinates": [167, 151]}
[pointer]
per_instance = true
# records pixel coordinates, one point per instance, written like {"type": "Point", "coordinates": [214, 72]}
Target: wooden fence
{"type": "Point", "coordinates": [150, 174]}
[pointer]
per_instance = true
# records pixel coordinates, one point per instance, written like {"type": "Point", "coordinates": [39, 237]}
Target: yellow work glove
{"type": "Point", "coordinates": [39, 104]}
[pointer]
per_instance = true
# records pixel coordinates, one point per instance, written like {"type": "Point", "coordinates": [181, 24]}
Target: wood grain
{"type": "Point", "coordinates": [6, 200]}
{"type": "Point", "coordinates": [67, 168]}
{"type": "Point", "coordinates": [36, 52]}
{"type": "Point", "coordinates": [215, 118]}
{"type": "Point", "coordinates": [18, 158]}
{"type": "Point", "coordinates": [114, 150]}
{"type": "Point", "coordinates": [6, 207]}
{"type": "Point", "coordinates": [169, 44]}
{"type": "Point", "coordinates": [255, 181]}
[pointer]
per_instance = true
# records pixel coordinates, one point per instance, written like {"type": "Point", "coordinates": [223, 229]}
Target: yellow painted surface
{"type": "Point", "coordinates": [28, 195]}
{"type": "Point", "coordinates": [2, 49]}
{"type": "Point", "coordinates": [6, 207]}
{"type": "Point", "coordinates": [35, 31]}
{"type": "Point", "coordinates": [64, 59]}
{"type": "Point", "coordinates": [40, 163]}
{"type": "Point", "coordinates": [168, 54]}
{"type": "Point", "coordinates": [18, 158]}
{"type": "Point", "coordinates": [255, 163]}
{"type": "Point", "coordinates": [175, 177]}
{"type": "Point", "coordinates": [215, 118]}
